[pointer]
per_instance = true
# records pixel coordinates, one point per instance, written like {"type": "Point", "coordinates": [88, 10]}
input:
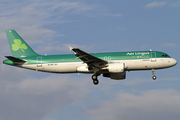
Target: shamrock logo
{"type": "Point", "coordinates": [18, 45]}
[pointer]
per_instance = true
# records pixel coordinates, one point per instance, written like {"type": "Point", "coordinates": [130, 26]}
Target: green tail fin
{"type": "Point", "coordinates": [19, 47]}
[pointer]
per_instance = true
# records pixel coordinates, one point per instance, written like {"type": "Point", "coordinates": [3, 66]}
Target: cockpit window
{"type": "Point", "coordinates": [165, 55]}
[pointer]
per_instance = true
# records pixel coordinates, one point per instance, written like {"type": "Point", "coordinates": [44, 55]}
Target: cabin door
{"type": "Point", "coordinates": [39, 61]}
{"type": "Point", "coordinates": [153, 56]}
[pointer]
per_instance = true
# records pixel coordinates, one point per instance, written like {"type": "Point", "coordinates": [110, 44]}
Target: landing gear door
{"type": "Point", "coordinates": [39, 61]}
{"type": "Point", "coordinates": [153, 56]}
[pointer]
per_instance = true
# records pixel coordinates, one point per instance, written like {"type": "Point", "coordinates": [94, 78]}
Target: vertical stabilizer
{"type": "Point", "coordinates": [19, 47]}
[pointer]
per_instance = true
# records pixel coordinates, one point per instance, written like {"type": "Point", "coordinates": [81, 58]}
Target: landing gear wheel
{"type": "Point", "coordinates": [94, 77]}
{"type": "Point", "coordinates": [95, 82]}
{"type": "Point", "coordinates": [154, 77]}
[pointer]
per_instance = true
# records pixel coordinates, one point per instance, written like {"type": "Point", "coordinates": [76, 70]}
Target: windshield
{"type": "Point", "coordinates": [165, 55]}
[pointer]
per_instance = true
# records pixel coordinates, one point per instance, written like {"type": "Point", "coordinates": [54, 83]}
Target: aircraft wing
{"type": "Point", "coordinates": [89, 59]}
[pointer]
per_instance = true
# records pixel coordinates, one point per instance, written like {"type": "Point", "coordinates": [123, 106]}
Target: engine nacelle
{"type": "Point", "coordinates": [116, 67]}
{"type": "Point", "coordinates": [116, 76]}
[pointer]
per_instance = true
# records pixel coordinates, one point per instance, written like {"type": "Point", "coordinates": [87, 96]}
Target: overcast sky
{"type": "Point", "coordinates": [93, 26]}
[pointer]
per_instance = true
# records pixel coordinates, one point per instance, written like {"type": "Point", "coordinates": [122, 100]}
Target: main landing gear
{"type": "Point", "coordinates": [95, 80]}
{"type": "Point", "coordinates": [153, 77]}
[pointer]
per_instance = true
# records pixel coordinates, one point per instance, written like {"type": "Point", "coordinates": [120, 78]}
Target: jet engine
{"type": "Point", "coordinates": [116, 67]}
{"type": "Point", "coordinates": [116, 71]}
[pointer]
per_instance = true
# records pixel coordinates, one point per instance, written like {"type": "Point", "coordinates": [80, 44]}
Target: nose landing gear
{"type": "Point", "coordinates": [153, 77]}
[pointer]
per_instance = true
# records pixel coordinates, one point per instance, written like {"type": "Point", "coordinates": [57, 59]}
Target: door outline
{"type": "Point", "coordinates": [153, 56]}
{"type": "Point", "coordinates": [109, 58]}
{"type": "Point", "coordinates": [39, 61]}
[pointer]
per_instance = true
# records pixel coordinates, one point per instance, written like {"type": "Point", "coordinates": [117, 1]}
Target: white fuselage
{"type": "Point", "coordinates": [80, 67]}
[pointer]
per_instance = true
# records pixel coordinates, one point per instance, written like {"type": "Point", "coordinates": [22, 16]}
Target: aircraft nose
{"type": "Point", "coordinates": [173, 61]}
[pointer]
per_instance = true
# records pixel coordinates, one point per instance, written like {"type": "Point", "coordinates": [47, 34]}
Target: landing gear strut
{"type": "Point", "coordinates": [95, 80]}
{"type": "Point", "coordinates": [153, 77]}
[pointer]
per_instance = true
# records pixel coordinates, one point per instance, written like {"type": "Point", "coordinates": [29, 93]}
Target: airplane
{"type": "Point", "coordinates": [112, 64]}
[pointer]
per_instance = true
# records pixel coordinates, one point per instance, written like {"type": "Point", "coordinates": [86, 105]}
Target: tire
{"type": "Point", "coordinates": [94, 77]}
{"type": "Point", "coordinates": [95, 82]}
{"type": "Point", "coordinates": [154, 77]}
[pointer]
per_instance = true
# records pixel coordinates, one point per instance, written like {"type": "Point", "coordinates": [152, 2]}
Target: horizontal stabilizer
{"type": "Point", "coordinates": [16, 60]}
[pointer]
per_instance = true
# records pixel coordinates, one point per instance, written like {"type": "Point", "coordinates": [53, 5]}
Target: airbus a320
{"type": "Point", "coordinates": [112, 65]}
